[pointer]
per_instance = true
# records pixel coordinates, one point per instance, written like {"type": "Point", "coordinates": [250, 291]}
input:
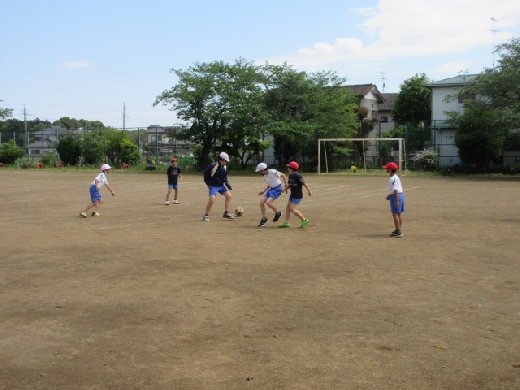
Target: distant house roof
{"type": "Point", "coordinates": [453, 81]}
{"type": "Point", "coordinates": [52, 130]}
{"type": "Point", "coordinates": [361, 90]}
{"type": "Point", "coordinates": [388, 104]}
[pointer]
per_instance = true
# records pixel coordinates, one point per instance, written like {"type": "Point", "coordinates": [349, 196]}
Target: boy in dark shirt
{"type": "Point", "coordinates": [173, 173]}
{"type": "Point", "coordinates": [296, 184]}
{"type": "Point", "coordinates": [216, 178]}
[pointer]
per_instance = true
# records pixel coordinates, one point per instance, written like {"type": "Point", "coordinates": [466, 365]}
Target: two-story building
{"type": "Point", "coordinates": [44, 141]}
{"type": "Point", "coordinates": [162, 140]}
{"type": "Point", "coordinates": [444, 100]}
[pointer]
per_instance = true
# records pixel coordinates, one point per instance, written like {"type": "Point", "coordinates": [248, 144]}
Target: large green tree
{"type": "Point", "coordinates": [304, 108]}
{"type": "Point", "coordinates": [413, 103]}
{"type": "Point", "coordinates": [5, 112]}
{"type": "Point", "coordinates": [499, 87]}
{"type": "Point", "coordinates": [93, 147]}
{"type": "Point", "coordinates": [480, 135]}
{"type": "Point", "coordinates": [221, 102]}
{"type": "Point", "coordinates": [68, 123]}
{"type": "Point", "coordinates": [69, 148]}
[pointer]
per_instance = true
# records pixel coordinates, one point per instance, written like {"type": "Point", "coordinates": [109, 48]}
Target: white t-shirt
{"type": "Point", "coordinates": [102, 178]}
{"type": "Point", "coordinates": [394, 183]}
{"type": "Point", "coordinates": [273, 178]}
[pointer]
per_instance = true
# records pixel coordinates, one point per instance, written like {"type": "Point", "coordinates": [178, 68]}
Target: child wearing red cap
{"type": "Point", "coordinates": [396, 198]}
{"type": "Point", "coordinates": [296, 184]}
{"type": "Point", "coordinates": [173, 173]}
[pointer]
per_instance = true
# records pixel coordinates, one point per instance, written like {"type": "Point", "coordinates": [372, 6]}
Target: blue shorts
{"type": "Point", "coordinates": [95, 196]}
{"type": "Point", "coordinates": [399, 209]}
{"type": "Point", "coordinates": [173, 187]}
{"type": "Point", "coordinates": [274, 192]}
{"type": "Point", "coordinates": [295, 200]}
{"type": "Point", "coordinates": [221, 190]}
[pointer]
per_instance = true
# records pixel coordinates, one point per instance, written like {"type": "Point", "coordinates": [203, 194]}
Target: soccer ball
{"type": "Point", "coordinates": [239, 211]}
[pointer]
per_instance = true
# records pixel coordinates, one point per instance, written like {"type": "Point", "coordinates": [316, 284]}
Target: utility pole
{"type": "Point", "coordinates": [384, 79]}
{"type": "Point", "coordinates": [26, 132]}
{"type": "Point", "coordinates": [124, 116]}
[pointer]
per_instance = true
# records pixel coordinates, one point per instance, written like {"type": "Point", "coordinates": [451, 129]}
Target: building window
{"type": "Point", "coordinates": [384, 119]}
{"type": "Point", "coordinates": [465, 96]}
{"type": "Point", "coordinates": [374, 114]}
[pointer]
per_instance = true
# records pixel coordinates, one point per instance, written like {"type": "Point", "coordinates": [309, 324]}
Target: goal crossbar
{"type": "Point", "coordinates": [400, 153]}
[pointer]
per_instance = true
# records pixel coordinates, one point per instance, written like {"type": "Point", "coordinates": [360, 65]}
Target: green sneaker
{"type": "Point", "coordinates": [95, 214]}
{"type": "Point", "coordinates": [83, 214]}
{"type": "Point", "coordinates": [304, 222]}
{"type": "Point", "coordinates": [284, 224]}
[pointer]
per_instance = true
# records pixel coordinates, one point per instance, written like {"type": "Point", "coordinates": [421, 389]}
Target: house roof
{"type": "Point", "coordinates": [362, 90]}
{"type": "Point", "coordinates": [453, 81]}
{"type": "Point", "coordinates": [388, 104]}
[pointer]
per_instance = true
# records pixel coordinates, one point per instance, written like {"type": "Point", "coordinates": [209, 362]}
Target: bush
{"type": "Point", "coordinates": [427, 160]}
{"type": "Point", "coordinates": [9, 152]}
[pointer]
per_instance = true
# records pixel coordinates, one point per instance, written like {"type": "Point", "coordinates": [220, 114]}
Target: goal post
{"type": "Point", "coordinates": [400, 155]}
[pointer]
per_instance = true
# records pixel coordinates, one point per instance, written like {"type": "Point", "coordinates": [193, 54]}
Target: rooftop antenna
{"type": "Point", "coordinates": [383, 78]}
{"type": "Point", "coordinates": [493, 31]}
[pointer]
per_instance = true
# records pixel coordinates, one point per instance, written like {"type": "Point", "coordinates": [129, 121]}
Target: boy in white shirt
{"type": "Point", "coordinates": [95, 196]}
{"type": "Point", "coordinates": [272, 191]}
{"type": "Point", "coordinates": [396, 198]}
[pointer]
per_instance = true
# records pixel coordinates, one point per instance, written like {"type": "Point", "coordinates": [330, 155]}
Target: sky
{"type": "Point", "coordinates": [109, 60]}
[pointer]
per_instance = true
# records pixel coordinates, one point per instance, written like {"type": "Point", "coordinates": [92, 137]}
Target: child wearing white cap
{"type": "Point", "coordinates": [216, 178]}
{"type": "Point", "coordinates": [273, 178]}
{"type": "Point", "coordinates": [95, 197]}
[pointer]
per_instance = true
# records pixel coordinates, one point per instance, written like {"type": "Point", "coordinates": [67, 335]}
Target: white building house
{"type": "Point", "coordinates": [444, 100]}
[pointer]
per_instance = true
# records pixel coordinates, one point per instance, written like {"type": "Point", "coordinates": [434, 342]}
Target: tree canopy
{"type": "Point", "coordinates": [5, 112]}
{"type": "Point", "coordinates": [413, 103]}
{"type": "Point", "coordinates": [480, 135]}
{"type": "Point", "coordinates": [232, 107]}
{"type": "Point", "coordinates": [499, 87]}
{"type": "Point", "coordinates": [221, 102]}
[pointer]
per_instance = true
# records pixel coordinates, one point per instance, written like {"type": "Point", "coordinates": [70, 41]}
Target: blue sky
{"type": "Point", "coordinates": [86, 59]}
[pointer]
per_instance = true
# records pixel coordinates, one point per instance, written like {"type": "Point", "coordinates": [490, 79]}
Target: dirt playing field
{"type": "Point", "coordinates": [148, 296]}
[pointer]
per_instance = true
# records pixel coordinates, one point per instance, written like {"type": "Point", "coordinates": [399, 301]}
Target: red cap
{"type": "Point", "coordinates": [392, 166]}
{"type": "Point", "coordinates": [174, 159]}
{"type": "Point", "coordinates": [294, 165]}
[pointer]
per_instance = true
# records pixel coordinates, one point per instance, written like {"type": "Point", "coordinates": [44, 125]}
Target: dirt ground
{"type": "Point", "coordinates": [150, 297]}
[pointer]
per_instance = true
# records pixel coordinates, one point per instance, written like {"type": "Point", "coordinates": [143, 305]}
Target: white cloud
{"type": "Point", "coordinates": [79, 64]}
{"type": "Point", "coordinates": [402, 28]}
{"type": "Point", "coordinates": [454, 67]}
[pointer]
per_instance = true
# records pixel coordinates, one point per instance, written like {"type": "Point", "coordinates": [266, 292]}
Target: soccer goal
{"type": "Point", "coordinates": [369, 149]}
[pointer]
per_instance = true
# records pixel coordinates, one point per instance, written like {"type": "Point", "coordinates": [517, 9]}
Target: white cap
{"type": "Point", "coordinates": [105, 166]}
{"type": "Point", "coordinates": [261, 167]}
{"type": "Point", "coordinates": [224, 156]}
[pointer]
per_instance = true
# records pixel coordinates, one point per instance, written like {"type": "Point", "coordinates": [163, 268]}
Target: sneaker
{"type": "Point", "coordinates": [83, 214]}
{"type": "Point", "coordinates": [95, 214]}
{"type": "Point", "coordinates": [277, 216]}
{"type": "Point", "coordinates": [304, 222]}
{"type": "Point", "coordinates": [175, 201]}
{"type": "Point", "coordinates": [396, 233]}
{"type": "Point", "coordinates": [205, 218]}
{"type": "Point", "coordinates": [263, 221]}
{"type": "Point", "coordinates": [228, 216]}
{"type": "Point", "coordinates": [284, 224]}
{"type": "Point", "coordinates": [167, 203]}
